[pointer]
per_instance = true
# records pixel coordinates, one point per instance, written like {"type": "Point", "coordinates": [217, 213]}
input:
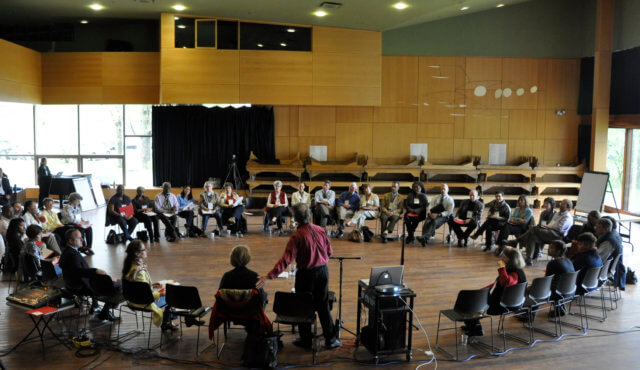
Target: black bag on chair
{"type": "Point", "coordinates": [260, 351]}
{"type": "Point", "coordinates": [142, 235]}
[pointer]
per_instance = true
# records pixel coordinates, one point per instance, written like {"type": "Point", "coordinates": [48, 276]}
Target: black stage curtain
{"type": "Point", "coordinates": [625, 79]}
{"type": "Point", "coordinates": [192, 143]}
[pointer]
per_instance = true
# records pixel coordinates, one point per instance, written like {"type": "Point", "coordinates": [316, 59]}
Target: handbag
{"type": "Point", "coordinates": [142, 235]}
{"type": "Point", "coordinates": [356, 236]}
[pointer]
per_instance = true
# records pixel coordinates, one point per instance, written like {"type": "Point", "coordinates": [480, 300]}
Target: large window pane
{"type": "Point", "coordinates": [634, 173]}
{"type": "Point", "coordinates": [139, 163]}
{"type": "Point", "coordinates": [137, 119]}
{"type": "Point", "coordinates": [19, 169]}
{"type": "Point", "coordinates": [16, 127]}
{"type": "Point", "coordinates": [106, 170]}
{"type": "Point", "coordinates": [56, 129]}
{"type": "Point", "coordinates": [615, 164]}
{"type": "Point", "coordinates": [68, 166]}
{"type": "Point", "coordinates": [101, 129]}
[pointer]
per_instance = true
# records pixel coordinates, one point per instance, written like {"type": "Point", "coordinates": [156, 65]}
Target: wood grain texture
{"type": "Point", "coordinates": [400, 81]}
{"type": "Point", "coordinates": [20, 73]}
{"type": "Point", "coordinates": [275, 68]}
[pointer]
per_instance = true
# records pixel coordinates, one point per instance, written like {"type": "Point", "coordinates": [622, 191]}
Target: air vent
{"type": "Point", "coordinates": [330, 5]}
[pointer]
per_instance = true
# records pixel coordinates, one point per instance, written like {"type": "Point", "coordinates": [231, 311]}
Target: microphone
{"type": "Point", "coordinates": [345, 258]}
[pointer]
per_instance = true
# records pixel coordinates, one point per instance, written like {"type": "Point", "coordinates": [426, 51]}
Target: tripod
{"type": "Point", "coordinates": [235, 174]}
{"type": "Point", "coordinates": [339, 324]}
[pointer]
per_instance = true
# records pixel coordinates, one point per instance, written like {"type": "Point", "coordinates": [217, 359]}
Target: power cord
{"type": "Point", "coordinates": [430, 351]}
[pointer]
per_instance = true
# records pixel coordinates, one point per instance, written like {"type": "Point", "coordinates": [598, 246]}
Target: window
{"type": "Point", "coordinates": [66, 165]}
{"type": "Point", "coordinates": [101, 129]}
{"type": "Point", "coordinates": [615, 165]}
{"type": "Point", "coordinates": [185, 32]}
{"type": "Point", "coordinates": [634, 173]}
{"type": "Point", "coordinates": [227, 35]}
{"type": "Point", "coordinates": [259, 36]}
{"type": "Point", "coordinates": [137, 119]}
{"type": "Point", "coordinates": [19, 169]}
{"type": "Point", "coordinates": [56, 129]}
{"type": "Point", "coordinates": [138, 161]}
{"type": "Point", "coordinates": [105, 170]}
{"type": "Point", "coordinates": [206, 33]}
{"type": "Point", "coordinates": [16, 126]}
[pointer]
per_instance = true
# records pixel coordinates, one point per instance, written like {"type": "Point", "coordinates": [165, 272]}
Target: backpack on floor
{"type": "Point", "coordinates": [367, 234]}
{"type": "Point", "coordinates": [115, 238]}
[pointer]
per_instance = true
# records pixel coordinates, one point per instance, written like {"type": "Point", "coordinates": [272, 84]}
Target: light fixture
{"type": "Point", "coordinates": [84, 21]}
{"type": "Point", "coordinates": [320, 13]}
{"type": "Point", "coordinates": [283, 44]}
{"type": "Point", "coordinates": [176, 18]}
{"type": "Point", "coordinates": [499, 5]}
{"type": "Point", "coordinates": [260, 45]}
{"type": "Point", "coordinates": [182, 26]}
{"type": "Point", "coordinates": [291, 30]}
{"type": "Point", "coordinates": [464, 8]}
{"type": "Point", "coordinates": [561, 112]}
{"type": "Point", "coordinates": [96, 6]}
{"type": "Point", "coordinates": [179, 7]}
{"type": "Point", "coordinates": [440, 77]}
{"type": "Point", "coordinates": [400, 5]}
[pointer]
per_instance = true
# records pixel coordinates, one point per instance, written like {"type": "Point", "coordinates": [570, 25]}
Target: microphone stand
{"type": "Point", "coordinates": [402, 241]}
{"type": "Point", "coordinates": [339, 324]}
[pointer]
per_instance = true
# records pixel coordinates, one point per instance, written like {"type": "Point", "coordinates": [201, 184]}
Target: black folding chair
{"type": "Point", "coordinates": [612, 285]}
{"type": "Point", "coordinates": [184, 301]}
{"type": "Point", "coordinates": [563, 294]}
{"type": "Point", "coordinates": [538, 295]}
{"type": "Point", "coordinates": [512, 301]}
{"type": "Point", "coordinates": [470, 305]}
{"type": "Point", "coordinates": [139, 297]}
{"type": "Point", "coordinates": [295, 309]}
{"type": "Point", "coordinates": [589, 284]}
{"type": "Point", "coordinates": [105, 291]}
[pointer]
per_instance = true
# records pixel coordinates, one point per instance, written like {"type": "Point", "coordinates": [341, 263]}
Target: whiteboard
{"type": "Point", "coordinates": [592, 190]}
{"type": "Point", "coordinates": [81, 185]}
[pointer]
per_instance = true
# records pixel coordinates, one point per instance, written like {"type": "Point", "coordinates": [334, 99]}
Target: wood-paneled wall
{"type": "Point", "coordinates": [343, 69]}
{"type": "Point", "coordinates": [100, 78]}
{"type": "Point", "coordinates": [20, 74]}
{"type": "Point", "coordinates": [433, 100]}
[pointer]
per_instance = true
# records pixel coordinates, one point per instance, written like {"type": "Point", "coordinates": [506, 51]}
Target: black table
{"type": "Point", "coordinates": [41, 317]}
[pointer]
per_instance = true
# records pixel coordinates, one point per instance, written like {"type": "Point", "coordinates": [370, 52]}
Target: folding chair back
{"type": "Point", "coordinates": [293, 304]}
{"type": "Point", "coordinates": [566, 287]}
{"type": "Point", "coordinates": [590, 280]}
{"type": "Point", "coordinates": [513, 297]}
{"type": "Point", "coordinates": [604, 272]}
{"type": "Point", "coordinates": [102, 285]}
{"type": "Point", "coordinates": [472, 301]}
{"type": "Point", "coordinates": [137, 292]}
{"type": "Point", "coordinates": [48, 271]}
{"type": "Point", "coordinates": [540, 289]}
{"type": "Point", "coordinates": [183, 297]}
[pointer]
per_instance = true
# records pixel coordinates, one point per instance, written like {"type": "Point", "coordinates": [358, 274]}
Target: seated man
{"type": "Point", "coordinates": [76, 272]}
{"type": "Point", "coordinates": [499, 213]}
{"type": "Point", "coordinates": [468, 216]}
{"type": "Point", "coordinates": [608, 245]}
{"type": "Point", "coordinates": [167, 204]}
{"type": "Point", "coordinates": [390, 210]}
{"type": "Point", "coordinates": [5, 189]}
{"type": "Point", "coordinates": [440, 210]}
{"type": "Point", "coordinates": [324, 202]}
{"type": "Point", "coordinates": [346, 206]}
{"type": "Point", "coordinates": [416, 204]}
{"type": "Point", "coordinates": [369, 204]}
{"type": "Point", "coordinates": [115, 214]}
{"type": "Point", "coordinates": [144, 211]}
{"type": "Point", "coordinates": [588, 227]}
{"type": "Point", "coordinates": [586, 258]}
{"type": "Point", "coordinates": [556, 229]}
{"type": "Point", "coordinates": [210, 207]}
{"type": "Point", "coordinates": [620, 274]}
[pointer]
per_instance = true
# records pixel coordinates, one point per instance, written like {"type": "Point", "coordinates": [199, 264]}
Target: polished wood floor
{"type": "Point", "coordinates": [436, 273]}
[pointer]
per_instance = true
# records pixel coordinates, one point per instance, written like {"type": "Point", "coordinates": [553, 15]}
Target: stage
{"type": "Point", "coordinates": [435, 273]}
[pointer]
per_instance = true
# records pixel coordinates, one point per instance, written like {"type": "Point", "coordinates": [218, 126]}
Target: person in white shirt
{"type": "Point", "coordinates": [440, 210]}
{"type": "Point", "coordinates": [210, 207]}
{"type": "Point", "coordinates": [72, 215]}
{"type": "Point", "coordinates": [369, 205]}
{"type": "Point", "coordinates": [32, 216]}
{"type": "Point", "coordinates": [167, 204]}
{"type": "Point", "coordinates": [325, 200]}
{"type": "Point", "coordinates": [301, 196]}
{"type": "Point", "coordinates": [277, 207]}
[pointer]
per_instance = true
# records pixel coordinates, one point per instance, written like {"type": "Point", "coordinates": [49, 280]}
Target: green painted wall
{"type": "Point", "coordinates": [539, 28]}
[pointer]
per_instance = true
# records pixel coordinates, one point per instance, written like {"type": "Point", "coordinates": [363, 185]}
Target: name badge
{"type": "Point", "coordinates": [122, 214]}
{"type": "Point", "coordinates": [469, 214]}
{"type": "Point", "coordinates": [77, 218]}
{"type": "Point", "coordinates": [210, 205]}
{"type": "Point", "coordinates": [144, 206]}
{"type": "Point", "coordinates": [346, 202]}
{"type": "Point", "coordinates": [416, 201]}
{"type": "Point", "coordinates": [230, 201]}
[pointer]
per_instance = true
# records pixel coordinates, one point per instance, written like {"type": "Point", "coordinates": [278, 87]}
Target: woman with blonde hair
{"type": "Point", "coordinates": [277, 206]}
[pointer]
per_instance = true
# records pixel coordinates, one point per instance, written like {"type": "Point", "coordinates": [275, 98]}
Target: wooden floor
{"type": "Point", "coordinates": [436, 273]}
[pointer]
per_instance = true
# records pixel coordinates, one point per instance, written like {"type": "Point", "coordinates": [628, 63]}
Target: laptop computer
{"type": "Point", "coordinates": [385, 276]}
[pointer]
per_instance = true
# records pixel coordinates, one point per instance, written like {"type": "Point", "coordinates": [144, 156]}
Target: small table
{"type": "Point", "coordinates": [371, 299]}
{"type": "Point", "coordinates": [41, 317]}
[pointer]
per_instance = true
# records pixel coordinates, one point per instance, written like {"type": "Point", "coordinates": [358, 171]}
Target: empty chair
{"type": "Point", "coordinates": [470, 304]}
{"type": "Point", "coordinates": [612, 285]}
{"type": "Point", "coordinates": [563, 294]}
{"type": "Point", "coordinates": [512, 302]}
{"type": "Point", "coordinates": [589, 284]}
{"type": "Point", "coordinates": [295, 309]}
{"type": "Point", "coordinates": [139, 297]}
{"type": "Point", "coordinates": [184, 301]}
{"type": "Point", "coordinates": [538, 295]}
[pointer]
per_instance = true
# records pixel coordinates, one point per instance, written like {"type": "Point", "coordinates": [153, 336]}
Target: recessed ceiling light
{"type": "Point", "coordinates": [182, 26]}
{"type": "Point", "coordinates": [499, 5]}
{"type": "Point", "coordinates": [400, 6]}
{"type": "Point", "coordinates": [84, 21]}
{"type": "Point", "coordinates": [320, 13]}
{"type": "Point", "coordinates": [283, 44]}
{"type": "Point", "coordinates": [464, 8]}
{"type": "Point", "coordinates": [291, 30]}
{"type": "Point", "coordinates": [176, 18]}
{"type": "Point", "coordinates": [179, 7]}
{"type": "Point", "coordinates": [96, 6]}
{"type": "Point", "coordinates": [260, 45]}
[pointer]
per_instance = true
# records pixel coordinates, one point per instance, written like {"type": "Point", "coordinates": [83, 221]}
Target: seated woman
{"type": "Point", "coordinates": [134, 268]}
{"type": "Point", "coordinates": [299, 196]}
{"type": "Point", "coordinates": [52, 223]}
{"type": "Point", "coordinates": [509, 273]}
{"type": "Point", "coordinates": [517, 224]}
{"type": "Point", "coordinates": [556, 267]}
{"type": "Point", "coordinates": [210, 207]}
{"type": "Point", "coordinates": [277, 207]}
{"type": "Point", "coordinates": [369, 205]}
{"type": "Point", "coordinates": [586, 258]}
{"type": "Point", "coordinates": [31, 256]}
{"type": "Point", "coordinates": [232, 207]}
{"type": "Point", "coordinates": [32, 216]}
{"type": "Point", "coordinates": [185, 208]}
{"type": "Point", "coordinates": [72, 216]}
{"type": "Point", "coordinates": [15, 244]}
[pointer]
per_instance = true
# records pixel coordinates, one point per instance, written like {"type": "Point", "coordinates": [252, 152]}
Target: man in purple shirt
{"type": "Point", "coordinates": [310, 247]}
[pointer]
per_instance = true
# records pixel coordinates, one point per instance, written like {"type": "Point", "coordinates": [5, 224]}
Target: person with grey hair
{"type": "Point", "coordinates": [167, 204]}
{"type": "Point", "coordinates": [310, 248]}
{"type": "Point", "coordinates": [71, 215]}
{"type": "Point", "coordinates": [325, 200]}
{"type": "Point", "coordinates": [346, 206]}
{"type": "Point", "coordinates": [210, 207]}
{"type": "Point", "coordinates": [542, 234]}
{"type": "Point", "coordinates": [277, 207]}
{"type": "Point", "coordinates": [440, 211]}
{"type": "Point", "coordinates": [241, 277]}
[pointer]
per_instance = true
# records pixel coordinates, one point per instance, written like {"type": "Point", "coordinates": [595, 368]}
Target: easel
{"type": "Point", "coordinates": [627, 228]}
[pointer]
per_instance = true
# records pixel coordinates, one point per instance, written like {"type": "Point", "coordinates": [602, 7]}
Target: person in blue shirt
{"type": "Point", "coordinates": [518, 223]}
{"type": "Point", "coordinates": [346, 206]}
{"type": "Point", "coordinates": [186, 207]}
{"type": "Point", "coordinates": [586, 258]}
